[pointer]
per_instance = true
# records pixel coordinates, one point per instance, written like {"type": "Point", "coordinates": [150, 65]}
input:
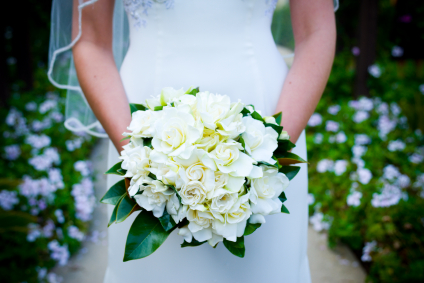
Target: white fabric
{"type": "Point", "coordinates": [226, 47]}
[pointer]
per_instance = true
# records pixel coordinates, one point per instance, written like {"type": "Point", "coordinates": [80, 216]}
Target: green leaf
{"type": "Point", "coordinates": [290, 171]}
{"type": "Point", "coordinates": [167, 221]}
{"type": "Point", "coordinates": [243, 144]}
{"type": "Point", "coordinates": [15, 221]}
{"type": "Point", "coordinates": [284, 209]}
{"type": "Point", "coordinates": [257, 116]}
{"type": "Point", "coordinates": [126, 138]}
{"type": "Point", "coordinates": [194, 243]}
{"type": "Point", "coordinates": [115, 192]}
{"type": "Point", "coordinates": [114, 212]}
{"type": "Point", "coordinates": [245, 112]}
{"type": "Point", "coordinates": [114, 169]}
{"type": "Point", "coordinates": [289, 158]}
{"type": "Point", "coordinates": [250, 228]}
{"type": "Point", "coordinates": [158, 108]}
{"type": "Point", "coordinates": [285, 145]}
{"type": "Point", "coordinates": [147, 142]}
{"type": "Point", "coordinates": [151, 175]}
{"type": "Point", "coordinates": [236, 248]}
{"type": "Point", "coordinates": [277, 128]}
{"type": "Point", "coordinates": [175, 190]}
{"type": "Point", "coordinates": [278, 117]}
{"type": "Point", "coordinates": [282, 197]}
{"type": "Point", "coordinates": [125, 208]}
{"type": "Point", "coordinates": [136, 107]}
{"type": "Point", "coordinates": [193, 91]}
{"type": "Point", "coordinates": [145, 236]}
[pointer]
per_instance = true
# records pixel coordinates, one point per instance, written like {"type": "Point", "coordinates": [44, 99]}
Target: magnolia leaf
{"type": "Point", "coordinates": [125, 208]}
{"type": "Point", "coordinates": [114, 169]}
{"type": "Point", "coordinates": [236, 248]}
{"type": "Point", "coordinates": [167, 221]}
{"type": "Point", "coordinates": [289, 171]}
{"type": "Point", "coordinates": [136, 107]}
{"type": "Point", "coordinates": [158, 108]}
{"type": "Point", "coordinates": [194, 243]}
{"type": "Point", "coordinates": [250, 228]}
{"type": "Point", "coordinates": [277, 128]}
{"type": "Point", "coordinates": [147, 142]}
{"type": "Point", "coordinates": [146, 235]}
{"type": "Point", "coordinates": [126, 138]}
{"type": "Point", "coordinates": [284, 209]}
{"type": "Point", "coordinates": [245, 112]}
{"type": "Point", "coordinates": [153, 176]}
{"type": "Point", "coordinates": [285, 145]}
{"type": "Point", "coordinates": [115, 192]}
{"type": "Point", "coordinates": [115, 210]}
{"type": "Point", "coordinates": [278, 117]}
{"type": "Point", "coordinates": [193, 91]}
{"type": "Point", "coordinates": [289, 158]}
{"type": "Point", "coordinates": [282, 197]}
{"type": "Point", "coordinates": [257, 116]}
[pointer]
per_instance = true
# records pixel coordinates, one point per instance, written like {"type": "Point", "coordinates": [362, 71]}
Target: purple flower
{"type": "Point", "coordinates": [360, 116]}
{"type": "Point", "coordinates": [397, 51]}
{"type": "Point", "coordinates": [354, 199]}
{"type": "Point", "coordinates": [333, 110]}
{"type": "Point", "coordinates": [368, 248]}
{"type": "Point", "coordinates": [47, 105]}
{"type": "Point", "coordinates": [318, 223]}
{"type": "Point", "coordinates": [340, 167]}
{"type": "Point", "coordinates": [57, 117]}
{"type": "Point", "coordinates": [390, 172]}
{"type": "Point", "coordinates": [318, 138]}
{"type": "Point", "coordinates": [331, 126]}
{"type": "Point", "coordinates": [83, 194]}
{"type": "Point", "coordinates": [42, 204]}
{"type": "Point", "coordinates": [374, 71]}
{"type": "Point", "coordinates": [84, 167]}
{"type": "Point", "coordinates": [48, 229]}
{"type": "Point", "coordinates": [315, 120]}
{"type": "Point", "coordinates": [364, 175]}
{"type": "Point", "coordinates": [396, 145]}
{"type": "Point", "coordinates": [38, 141]}
{"type": "Point", "coordinates": [385, 126]}
{"type": "Point", "coordinates": [31, 106]}
{"type": "Point", "coordinates": [58, 253]}
{"type": "Point", "coordinates": [362, 139]}
{"type": "Point", "coordinates": [12, 151]}
{"type": "Point", "coordinates": [75, 233]}
{"type": "Point", "coordinates": [356, 51]}
{"type": "Point", "coordinates": [59, 216]}
{"type": "Point", "coordinates": [341, 137]}
{"type": "Point", "coordinates": [390, 195]}
{"type": "Point", "coordinates": [325, 165]}
{"type": "Point", "coordinates": [421, 88]}
{"type": "Point", "coordinates": [8, 199]}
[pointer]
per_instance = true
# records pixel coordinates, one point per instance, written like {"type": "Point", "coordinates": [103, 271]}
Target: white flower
{"type": "Point", "coordinates": [141, 125]}
{"type": "Point", "coordinates": [174, 208]}
{"type": "Point", "coordinates": [368, 248]}
{"type": "Point", "coordinates": [340, 167]}
{"type": "Point", "coordinates": [194, 194]}
{"type": "Point", "coordinates": [325, 165]}
{"type": "Point", "coordinates": [333, 110]}
{"type": "Point", "coordinates": [374, 71]}
{"type": "Point", "coordinates": [390, 172]}
{"type": "Point", "coordinates": [229, 159]}
{"type": "Point", "coordinates": [135, 160]}
{"type": "Point", "coordinates": [175, 133]}
{"type": "Point", "coordinates": [390, 195]}
{"type": "Point", "coordinates": [362, 139]}
{"type": "Point", "coordinates": [331, 126]}
{"type": "Point", "coordinates": [341, 137]}
{"type": "Point", "coordinates": [364, 175]}
{"type": "Point", "coordinates": [397, 51]}
{"type": "Point", "coordinates": [403, 181]}
{"type": "Point", "coordinates": [416, 158]}
{"type": "Point", "coordinates": [315, 120]}
{"type": "Point", "coordinates": [209, 142]}
{"type": "Point", "coordinates": [264, 191]}
{"type": "Point", "coordinates": [154, 196]}
{"type": "Point", "coordinates": [385, 125]}
{"type": "Point", "coordinates": [223, 200]}
{"type": "Point", "coordinates": [169, 94]}
{"type": "Point", "coordinates": [354, 198]}
{"type": "Point", "coordinates": [212, 108]}
{"type": "Point", "coordinates": [200, 224]}
{"type": "Point", "coordinates": [318, 223]}
{"type": "Point", "coordinates": [318, 138]}
{"type": "Point", "coordinates": [260, 141]}
{"type": "Point", "coordinates": [360, 116]}
{"type": "Point", "coordinates": [232, 125]}
{"type": "Point", "coordinates": [358, 150]}
{"type": "Point", "coordinates": [284, 136]}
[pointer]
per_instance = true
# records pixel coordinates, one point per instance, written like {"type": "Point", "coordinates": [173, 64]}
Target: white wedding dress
{"type": "Point", "coordinates": [225, 47]}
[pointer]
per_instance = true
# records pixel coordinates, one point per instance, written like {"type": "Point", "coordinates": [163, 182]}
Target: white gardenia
{"type": "Point", "coordinates": [201, 158]}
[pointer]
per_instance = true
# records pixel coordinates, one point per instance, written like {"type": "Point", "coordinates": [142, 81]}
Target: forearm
{"type": "Point", "coordinates": [103, 89]}
{"type": "Point", "coordinates": [306, 81]}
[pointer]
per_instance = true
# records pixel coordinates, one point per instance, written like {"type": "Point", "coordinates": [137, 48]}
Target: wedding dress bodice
{"type": "Point", "coordinates": [223, 46]}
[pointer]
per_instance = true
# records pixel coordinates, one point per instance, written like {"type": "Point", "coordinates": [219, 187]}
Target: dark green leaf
{"type": "Point", "coordinates": [257, 116]}
{"type": "Point", "coordinates": [114, 169]}
{"type": "Point", "coordinates": [145, 236]}
{"type": "Point", "coordinates": [282, 197]}
{"type": "Point", "coordinates": [245, 112]}
{"type": "Point", "coordinates": [158, 108]}
{"type": "Point", "coordinates": [250, 228]}
{"type": "Point", "coordinates": [290, 171]}
{"type": "Point", "coordinates": [136, 107]}
{"type": "Point", "coordinates": [125, 208]}
{"type": "Point", "coordinates": [277, 128]}
{"type": "Point", "coordinates": [122, 171]}
{"type": "Point", "coordinates": [16, 221]}
{"type": "Point", "coordinates": [167, 221]}
{"type": "Point", "coordinates": [183, 223]}
{"type": "Point", "coordinates": [236, 248]}
{"type": "Point", "coordinates": [151, 175]}
{"type": "Point", "coordinates": [194, 243]}
{"type": "Point", "coordinates": [284, 209]}
{"type": "Point", "coordinates": [193, 91]}
{"type": "Point", "coordinates": [115, 192]}
{"type": "Point", "coordinates": [278, 117]}
{"type": "Point", "coordinates": [147, 142]}
{"type": "Point", "coordinates": [243, 144]}
{"type": "Point", "coordinates": [114, 212]}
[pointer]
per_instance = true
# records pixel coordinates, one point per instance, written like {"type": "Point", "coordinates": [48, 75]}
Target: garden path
{"type": "Point", "coordinates": [327, 266]}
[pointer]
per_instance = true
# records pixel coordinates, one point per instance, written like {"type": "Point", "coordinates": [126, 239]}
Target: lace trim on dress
{"type": "Point", "coordinates": [139, 9]}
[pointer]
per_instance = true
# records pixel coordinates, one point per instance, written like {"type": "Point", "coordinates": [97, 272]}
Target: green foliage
{"type": "Point", "coordinates": [387, 207]}
{"type": "Point", "coordinates": [113, 195]}
{"type": "Point", "coordinates": [31, 223]}
{"type": "Point", "coordinates": [236, 248]}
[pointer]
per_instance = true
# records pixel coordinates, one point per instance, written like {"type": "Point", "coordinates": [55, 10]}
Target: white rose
{"type": "Point", "coordinates": [212, 108]}
{"type": "Point", "coordinates": [199, 172]}
{"type": "Point", "coordinates": [232, 125]}
{"type": "Point", "coordinates": [208, 142]}
{"type": "Point", "coordinates": [223, 200]}
{"type": "Point", "coordinates": [229, 159]}
{"type": "Point", "coordinates": [142, 122]}
{"type": "Point", "coordinates": [234, 222]}
{"type": "Point", "coordinates": [135, 160]}
{"type": "Point", "coordinates": [154, 197]}
{"type": "Point", "coordinates": [193, 194]}
{"type": "Point", "coordinates": [260, 141]}
{"type": "Point", "coordinates": [169, 94]}
{"type": "Point", "coordinates": [153, 102]}
{"type": "Point", "coordinates": [175, 133]}
{"type": "Point", "coordinates": [175, 209]}
{"type": "Point", "coordinates": [200, 224]}
{"type": "Point", "coordinates": [264, 191]}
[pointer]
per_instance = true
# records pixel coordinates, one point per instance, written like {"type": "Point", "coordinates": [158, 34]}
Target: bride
{"type": "Point", "coordinates": [225, 47]}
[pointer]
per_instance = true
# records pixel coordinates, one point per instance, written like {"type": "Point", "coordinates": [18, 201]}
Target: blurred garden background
{"type": "Point", "coordinates": [365, 146]}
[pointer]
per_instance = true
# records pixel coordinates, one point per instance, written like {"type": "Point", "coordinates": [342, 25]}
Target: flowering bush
{"type": "Point", "coordinates": [367, 185]}
{"type": "Point", "coordinates": [46, 188]}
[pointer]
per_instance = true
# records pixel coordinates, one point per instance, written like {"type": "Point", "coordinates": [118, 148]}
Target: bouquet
{"type": "Point", "coordinates": [201, 164]}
